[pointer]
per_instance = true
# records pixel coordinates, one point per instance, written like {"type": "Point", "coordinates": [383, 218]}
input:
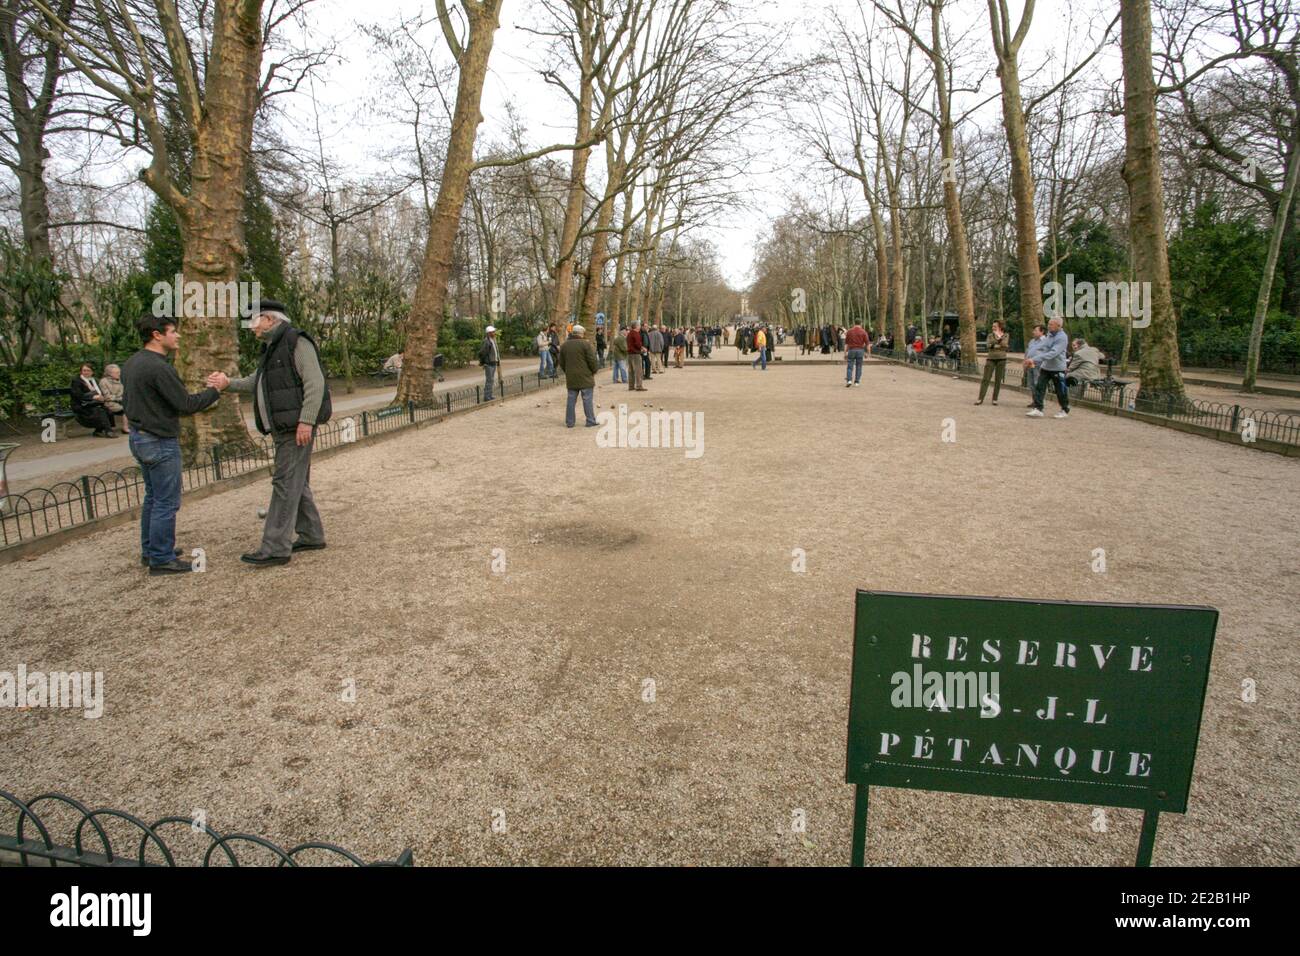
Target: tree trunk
{"type": "Point", "coordinates": [573, 210]}
{"type": "Point", "coordinates": [1160, 369]}
{"type": "Point", "coordinates": [211, 218]}
{"type": "Point", "coordinates": [1022, 189]}
{"type": "Point", "coordinates": [426, 317]}
{"type": "Point", "coordinates": [1270, 269]}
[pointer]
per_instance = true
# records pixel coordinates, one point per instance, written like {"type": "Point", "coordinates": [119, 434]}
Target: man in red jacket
{"type": "Point", "coordinates": [635, 348]}
{"type": "Point", "coordinates": [856, 345]}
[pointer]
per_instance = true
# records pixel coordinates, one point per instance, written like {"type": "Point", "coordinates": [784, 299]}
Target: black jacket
{"type": "Point", "coordinates": [155, 397]}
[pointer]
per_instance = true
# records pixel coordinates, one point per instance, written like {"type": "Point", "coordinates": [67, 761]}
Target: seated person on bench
{"type": "Point", "coordinates": [89, 404]}
{"type": "Point", "coordinates": [111, 385]}
{"type": "Point", "coordinates": [394, 362]}
{"type": "Point", "coordinates": [1085, 364]}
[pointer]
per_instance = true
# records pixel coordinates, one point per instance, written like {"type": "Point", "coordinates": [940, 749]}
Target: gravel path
{"type": "Point", "coordinates": [519, 696]}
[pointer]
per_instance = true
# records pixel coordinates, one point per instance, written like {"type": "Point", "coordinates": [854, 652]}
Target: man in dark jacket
{"type": "Point", "coordinates": [489, 356]}
{"type": "Point", "coordinates": [578, 362]}
{"type": "Point", "coordinates": [155, 398]}
{"type": "Point", "coordinates": [290, 398]}
{"type": "Point", "coordinates": [88, 404]}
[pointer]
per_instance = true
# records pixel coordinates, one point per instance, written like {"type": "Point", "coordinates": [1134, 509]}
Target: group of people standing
{"type": "Point", "coordinates": [828, 338]}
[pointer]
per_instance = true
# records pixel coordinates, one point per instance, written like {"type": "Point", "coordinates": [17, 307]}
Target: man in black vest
{"type": "Point", "coordinates": [290, 398]}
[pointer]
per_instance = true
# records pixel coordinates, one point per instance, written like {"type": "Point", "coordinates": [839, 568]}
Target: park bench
{"type": "Point", "coordinates": [438, 362]}
{"type": "Point", "coordinates": [58, 406]}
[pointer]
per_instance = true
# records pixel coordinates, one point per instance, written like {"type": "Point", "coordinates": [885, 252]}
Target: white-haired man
{"type": "Point", "coordinates": [290, 398]}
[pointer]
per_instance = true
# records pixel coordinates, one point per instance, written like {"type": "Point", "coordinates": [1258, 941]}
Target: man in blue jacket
{"type": "Point", "coordinates": [1050, 360]}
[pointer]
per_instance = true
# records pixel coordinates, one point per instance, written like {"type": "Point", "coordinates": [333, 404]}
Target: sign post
{"type": "Point", "coordinates": [1067, 701]}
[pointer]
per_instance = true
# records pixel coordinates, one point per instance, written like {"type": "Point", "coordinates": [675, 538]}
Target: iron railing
{"type": "Point", "coordinates": [1124, 396]}
{"type": "Point", "coordinates": [30, 841]}
{"type": "Point", "coordinates": [41, 511]}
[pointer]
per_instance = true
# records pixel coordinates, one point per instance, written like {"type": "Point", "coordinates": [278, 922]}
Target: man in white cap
{"type": "Point", "coordinates": [489, 357]}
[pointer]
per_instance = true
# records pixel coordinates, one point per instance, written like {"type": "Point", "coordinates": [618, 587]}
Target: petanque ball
{"type": "Point", "coordinates": [261, 512]}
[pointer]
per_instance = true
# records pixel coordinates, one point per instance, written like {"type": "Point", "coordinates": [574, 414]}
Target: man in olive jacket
{"type": "Point", "coordinates": [578, 362]}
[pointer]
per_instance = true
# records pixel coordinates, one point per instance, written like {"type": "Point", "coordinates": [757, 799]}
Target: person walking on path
{"type": "Point", "coordinates": [857, 343]}
{"type": "Point", "coordinates": [155, 398]}
{"type": "Point", "coordinates": [290, 398]}
{"type": "Point", "coordinates": [679, 347]}
{"type": "Point", "coordinates": [579, 364]}
{"type": "Point", "coordinates": [618, 352]}
{"type": "Point", "coordinates": [1050, 363]}
{"type": "Point", "coordinates": [995, 364]}
{"type": "Point", "coordinates": [760, 343]}
{"type": "Point", "coordinates": [635, 353]}
{"type": "Point", "coordinates": [490, 358]}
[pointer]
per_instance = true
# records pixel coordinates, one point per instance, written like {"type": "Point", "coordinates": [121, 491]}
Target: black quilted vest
{"type": "Point", "coordinates": [284, 386]}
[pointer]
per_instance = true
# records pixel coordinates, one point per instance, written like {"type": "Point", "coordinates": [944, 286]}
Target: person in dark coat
{"type": "Point", "coordinates": [578, 362]}
{"type": "Point", "coordinates": [89, 404]}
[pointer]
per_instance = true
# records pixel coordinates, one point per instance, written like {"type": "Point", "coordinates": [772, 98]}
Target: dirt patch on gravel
{"type": "Point", "coordinates": [524, 696]}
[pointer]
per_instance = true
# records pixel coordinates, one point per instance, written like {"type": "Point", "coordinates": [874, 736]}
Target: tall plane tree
{"type": "Point", "coordinates": [482, 18]}
{"type": "Point", "coordinates": [206, 89]}
{"type": "Point", "coordinates": [1161, 371]}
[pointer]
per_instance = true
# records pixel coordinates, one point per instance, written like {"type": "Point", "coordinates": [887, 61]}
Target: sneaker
{"type": "Point", "coordinates": [848, 384]}
{"type": "Point", "coordinates": [1034, 413]}
{"type": "Point", "coordinates": [1062, 414]}
{"type": "Point", "coordinates": [857, 384]}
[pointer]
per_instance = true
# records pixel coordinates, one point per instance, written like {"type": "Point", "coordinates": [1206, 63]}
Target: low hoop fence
{"type": "Point", "coordinates": [37, 512]}
{"type": "Point", "coordinates": [1121, 396]}
{"type": "Point", "coordinates": [30, 840]}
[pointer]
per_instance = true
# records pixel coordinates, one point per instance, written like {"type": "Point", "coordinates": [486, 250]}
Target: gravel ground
{"type": "Point", "coordinates": [517, 697]}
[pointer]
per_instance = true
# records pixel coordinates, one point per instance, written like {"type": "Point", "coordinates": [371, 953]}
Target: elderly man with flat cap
{"type": "Point", "coordinates": [290, 398]}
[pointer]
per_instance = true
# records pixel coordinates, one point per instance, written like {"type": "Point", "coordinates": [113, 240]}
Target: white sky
{"type": "Point", "coordinates": [347, 90]}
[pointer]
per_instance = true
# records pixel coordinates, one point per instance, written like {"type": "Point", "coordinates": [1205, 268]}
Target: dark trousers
{"type": "Point", "coordinates": [95, 416]}
{"type": "Point", "coordinates": [995, 369]}
{"type": "Point", "coordinates": [160, 469]}
{"type": "Point", "coordinates": [1058, 382]}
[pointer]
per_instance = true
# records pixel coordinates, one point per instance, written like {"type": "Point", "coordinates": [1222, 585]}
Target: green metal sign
{"type": "Point", "coordinates": [1040, 700]}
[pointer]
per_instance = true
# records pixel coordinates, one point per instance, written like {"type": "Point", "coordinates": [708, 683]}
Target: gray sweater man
{"type": "Point", "coordinates": [290, 399]}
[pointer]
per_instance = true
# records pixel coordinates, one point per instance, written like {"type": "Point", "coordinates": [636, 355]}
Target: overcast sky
{"type": "Point", "coordinates": [348, 90]}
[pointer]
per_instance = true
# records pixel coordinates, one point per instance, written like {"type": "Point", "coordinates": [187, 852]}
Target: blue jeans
{"type": "Point", "coordinates": [489, 377]}
{"type": "Point", "coordinates": [587, 409]}
{"type": "Point", "coordinates": [762, 357]}
{"type": "Point", "coordinates": [620, 369]}
{"type": "Point", "coordinates": [547, 364]}
{"type": "Point", "coordinates": [853, 370]}
{"type": "Point", "coordinates": [160, 467]}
